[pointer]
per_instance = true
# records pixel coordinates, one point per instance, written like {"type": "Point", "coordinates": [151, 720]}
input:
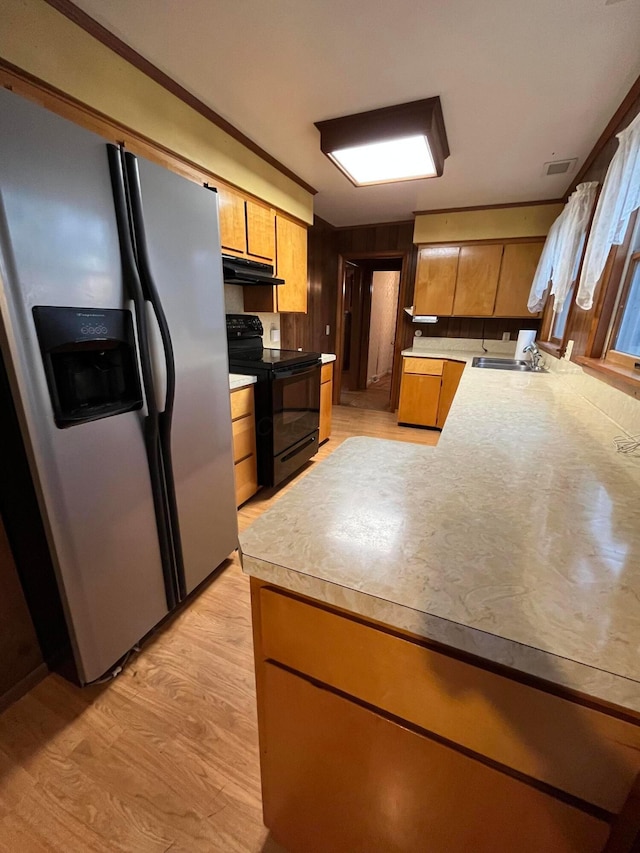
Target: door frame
{"type": "Point", "coordinates": [354, 257]}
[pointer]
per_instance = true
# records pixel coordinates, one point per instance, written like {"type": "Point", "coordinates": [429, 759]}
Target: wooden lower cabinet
{"type": "Point", "coordinates": [339, 777]}
{"type": "Point", "coordinates": [419, 398]}
{"type": "Point", "coordinates": [244, 443]}
{"type": "Point", "coordinates": [427, 389]}
{"type": "Point", "coordinates": [372, 740]}
{"type": "Point", "coordinates": [451, 374]}
{"type": "Point", "coordinates": [326, 394]}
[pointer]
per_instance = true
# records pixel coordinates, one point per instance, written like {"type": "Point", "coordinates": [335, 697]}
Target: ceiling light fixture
{"type": "Point", "coordinates": [406, 142]}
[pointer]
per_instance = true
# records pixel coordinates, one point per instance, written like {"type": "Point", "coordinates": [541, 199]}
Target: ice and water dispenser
{"type": "Point", "coordinates": [89, 357]}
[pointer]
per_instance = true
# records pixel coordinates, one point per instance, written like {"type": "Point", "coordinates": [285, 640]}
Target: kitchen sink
{"type": "Point", "coordinates": [504, 364]}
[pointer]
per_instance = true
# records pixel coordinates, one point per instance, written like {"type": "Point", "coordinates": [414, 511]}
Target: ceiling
{"type": "Point", "coordinates": [521, 83]}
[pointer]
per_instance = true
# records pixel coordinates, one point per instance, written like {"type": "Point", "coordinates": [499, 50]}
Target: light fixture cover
{"type": "Point", "coordinates": [398, 143]}
{"type": "Point", "coordinates": [402, 159]}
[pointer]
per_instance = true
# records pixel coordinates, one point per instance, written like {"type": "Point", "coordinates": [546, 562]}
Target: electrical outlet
{"type": "Point", "coordinates": [506, 336]}
{"type": "Point", "coordinates": [327, 330]}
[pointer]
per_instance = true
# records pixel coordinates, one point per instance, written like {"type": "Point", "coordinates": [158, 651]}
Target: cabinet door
{"type": "Point", "coordinates": [519, 263]}
{"type": "Point", "coordinates": [339, 777]}
{"type": "Point", "coordinates": [233, 228]}
{"type": "Point", "coordinates": [326, 390]}
{"type": "Point", "coordinates": [477, 282]}
{"type": "Point", "coordinates": [291, 252]}
{"type": "Point", "coordinates": [436, 280]}
{"type": "Point", "coordinates": [419, 397]}
{"type": "Point", "coordinates": [261, 233]}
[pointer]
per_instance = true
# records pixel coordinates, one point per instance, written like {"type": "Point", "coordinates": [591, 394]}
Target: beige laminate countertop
{"type": "Point", "coordinates": [237, 380]}
{"type": "Point", "coordinates": [516, 538]}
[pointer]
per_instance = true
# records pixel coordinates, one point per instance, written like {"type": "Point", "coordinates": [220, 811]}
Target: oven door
{"type": "Point", "coordinates": [296, 405]}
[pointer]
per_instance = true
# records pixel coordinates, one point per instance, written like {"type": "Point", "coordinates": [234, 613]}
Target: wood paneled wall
{"type": "Point", "coordinates": [325, 244]}
{"type": "Point", "coordinates": [32, 624]}
{"type": "Point", "coordinates": [580, 324]}
{"type": "Point", "coordinates": [489, 329]}
{"type": "Point", "coordinates": [20, 654]}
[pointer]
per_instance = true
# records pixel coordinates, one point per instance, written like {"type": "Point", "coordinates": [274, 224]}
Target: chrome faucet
{"type": "Point", "coordinates": [536, 358]}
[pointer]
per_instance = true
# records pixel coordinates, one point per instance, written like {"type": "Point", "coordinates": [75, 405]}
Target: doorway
{"type": "Point", "coordinates": [370, 290]}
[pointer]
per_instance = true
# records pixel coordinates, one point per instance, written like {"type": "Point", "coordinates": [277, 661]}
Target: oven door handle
{"type": "Point", "coordinates": [293, 371]}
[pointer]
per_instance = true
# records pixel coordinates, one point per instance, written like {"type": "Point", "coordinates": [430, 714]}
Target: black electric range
{"type": "Point", "coordinates": [287, 398]}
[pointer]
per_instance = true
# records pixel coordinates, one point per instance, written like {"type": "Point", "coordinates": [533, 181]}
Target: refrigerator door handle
{"type": "Point", "coordinates": [152, 427]}
{"type": "Point", "coordinates": [152, 296]}
{"type": "Point", "coordinates": [157, 358]}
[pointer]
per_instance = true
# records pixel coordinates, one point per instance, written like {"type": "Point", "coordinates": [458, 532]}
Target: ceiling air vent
{"type": "Point", "coordinates": [560, 167]}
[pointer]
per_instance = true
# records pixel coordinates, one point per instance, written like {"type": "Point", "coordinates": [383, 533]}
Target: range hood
{"type": "Point", "coordinates": [242, 271]}
{"type": "Point", "coordinates": [420, 318]}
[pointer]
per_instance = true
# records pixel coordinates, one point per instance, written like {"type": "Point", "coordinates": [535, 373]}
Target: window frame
{"type": "Point", "coordinates": [611, 354]}
{"type": "Point", "coordinates": [601, 359]}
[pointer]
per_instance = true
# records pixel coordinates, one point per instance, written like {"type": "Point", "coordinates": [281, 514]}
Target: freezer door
{"type": "Point", "coordinates": [181, 226]}
{"type": "Point", "coordinates": [59, 247]}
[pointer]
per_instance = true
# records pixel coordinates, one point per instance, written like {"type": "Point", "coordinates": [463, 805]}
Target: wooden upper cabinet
{"type": "Point", "coordinates": [246, 227]}
{"type": "Point", "coordinates": [261, 232]}
{"type": "Point", "coordinates": [233, 221]}
{"type": "Point", "coordinates": [436, 280]}
{"type": "Point", "coordinates": [477, 282]}
{"type": "Point", "coordinates": [291, 254]}
{"type": "Point", "coordinates": [519, 263]}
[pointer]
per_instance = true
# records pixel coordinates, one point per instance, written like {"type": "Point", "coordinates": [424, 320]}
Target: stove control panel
{"type": "Point", "coordinates": [243, 326]}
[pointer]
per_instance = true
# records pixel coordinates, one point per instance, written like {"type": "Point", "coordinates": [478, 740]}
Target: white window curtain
{"type": "Point", "coordinates": [619, 198]}
{"type": "Point", "coordinates": [544, 269]}
{"type": "Point", "coordinates": [576, 218]}
{"type": "Point", "coordinates": [561, 254]}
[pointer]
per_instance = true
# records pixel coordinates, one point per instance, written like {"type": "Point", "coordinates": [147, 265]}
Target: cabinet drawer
{"type": "Point", "coordinates": [241, 402]}
{"type": "Point", "coordinates": [244, 437]}
{"type": "Point", "coordinates": [576, 749]}
{"type": "Point", "coordinates": [339, 777]}
{"type": "Point", "coordinates": [326, 372]}
{"type": "Point", "coordinates": [423, 366]}
{"type": "Point", "coordinates": [246, 473]}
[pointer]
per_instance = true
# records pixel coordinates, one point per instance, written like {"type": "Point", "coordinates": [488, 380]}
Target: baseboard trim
{"type": "Point", "coordinates": [23, 686]}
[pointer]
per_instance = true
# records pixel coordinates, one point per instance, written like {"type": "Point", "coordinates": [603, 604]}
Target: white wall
{"type": "Point", "coordinates": [384, 302]}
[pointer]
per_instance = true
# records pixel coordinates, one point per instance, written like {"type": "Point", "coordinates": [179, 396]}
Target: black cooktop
{"type": "Point", "coordinates": [276, 357]}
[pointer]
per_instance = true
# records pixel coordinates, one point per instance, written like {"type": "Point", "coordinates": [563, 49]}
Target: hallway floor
{"type": "Point", "coordinates": [165, 757]}
{"type": "Point", "coordinates": [376, 397]}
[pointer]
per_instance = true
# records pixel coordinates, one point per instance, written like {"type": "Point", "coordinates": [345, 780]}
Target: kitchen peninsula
{"type": "Point", "coordinates": [447, 639]}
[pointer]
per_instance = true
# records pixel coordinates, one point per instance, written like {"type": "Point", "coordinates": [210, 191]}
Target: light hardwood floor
{"type": "Point", "coordinates": [377, 396]}
{"type": "Point", "coordinates": [165, 757]}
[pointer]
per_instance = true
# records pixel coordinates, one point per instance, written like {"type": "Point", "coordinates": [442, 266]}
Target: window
{"type": "Point", "coordinates": [614, 335]}
{"type": "Point", "coordinates": [560, 319]}
{"type": "Point", "coordinates": [624, 337]}
{"type": "Point", "coordinates": [628, 337]}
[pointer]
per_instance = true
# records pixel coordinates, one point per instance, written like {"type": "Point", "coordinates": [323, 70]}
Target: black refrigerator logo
{"type": "Point", "coordinates": [93, 328]}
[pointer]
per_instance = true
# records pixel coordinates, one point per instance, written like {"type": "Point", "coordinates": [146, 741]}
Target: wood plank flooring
{"type": "Point", "coordinates": [165, 757]}
{"type": "Point", "coordinates": [377, 396]}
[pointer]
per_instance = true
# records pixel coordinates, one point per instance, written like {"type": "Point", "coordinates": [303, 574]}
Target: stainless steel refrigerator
{"type": "Point", "coordinates": [112, 325]}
